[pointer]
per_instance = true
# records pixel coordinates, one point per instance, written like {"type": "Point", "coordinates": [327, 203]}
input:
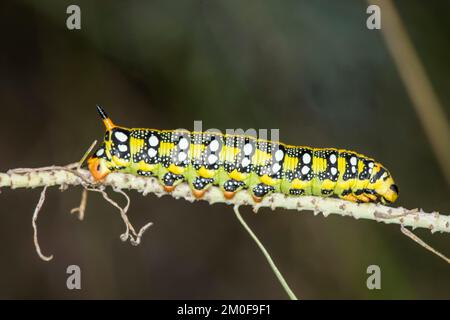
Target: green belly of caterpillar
{"type": "Point", "coordinates": [243, 162]}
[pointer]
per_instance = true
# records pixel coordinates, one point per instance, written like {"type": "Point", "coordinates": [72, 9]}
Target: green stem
{"type": "Point", "coordinates": [266, 255]}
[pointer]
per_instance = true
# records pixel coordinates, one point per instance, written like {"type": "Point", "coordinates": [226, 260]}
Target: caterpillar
{"type": "Point", "coordinates": [235, 162]}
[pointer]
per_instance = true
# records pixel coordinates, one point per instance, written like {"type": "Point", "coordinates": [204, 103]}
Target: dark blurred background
{"type": "Point", "coordinates": [309, 68]}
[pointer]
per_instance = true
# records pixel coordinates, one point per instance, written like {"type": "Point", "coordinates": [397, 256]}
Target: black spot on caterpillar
{"type": "Point", "coordinates": [235, 162]}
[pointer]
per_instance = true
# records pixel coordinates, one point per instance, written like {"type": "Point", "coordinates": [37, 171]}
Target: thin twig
{"type": "Point", "coordinates": [42, 169]}
{"type": "Point", "coordinates": [137, 241]}
{"type": "Point", "coordinates": [415, 238]}
{"type": "Point", "coordinates": [86, 154]}
{"type": "Point", "coordinates": [82, 207]}
{"type": "Point", "coordinates": [130, 233]}
{"type": "Point", "coordinates": [72, 175]}
{"type": "Point", "coordinates": [64, 176]}
{"type": "Point", "coordinates": [33, 223]}
{"type": "Point", "coordinates": [424, 99]}
{"type": "Point", "coordinates": [126, 235]}
{"type": "Point", "coordinates": [266, 254]}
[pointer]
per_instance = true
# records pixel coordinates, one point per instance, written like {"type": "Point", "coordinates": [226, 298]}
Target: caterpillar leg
{"type": "Point", "coordinates": [230, 187]}
{"type": "Point", "coordinates": [360, 198]}
{"type": "Point", "coordinates": [349, 197]}
{"type": "Point", "coordinates": [261, 190]}
{"type": "Point", "coordinates": [363, 198]}
{"type": "Point", "coordinates": [170, 180]}
{"type": "Point", "coordinates": [372, 197]}
{"type": "Point", "coordinates": [200, 185]}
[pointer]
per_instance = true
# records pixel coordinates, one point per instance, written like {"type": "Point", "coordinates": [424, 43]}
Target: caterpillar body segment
{"type": "Point", "coordinates": [235, 162]}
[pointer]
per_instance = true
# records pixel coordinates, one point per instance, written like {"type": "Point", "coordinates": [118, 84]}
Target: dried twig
{"type": "Point", "coordinates": [266, 254]}
{"type": "Point", "coordinates": [416, 239]}
{"type": "Point", "coordinates": [33, 223]}
{"type": "Point", "coordinates": [134, 237]}
{"type": "Point", "coordinates": [65, 176]}
{"type": "Point", "coordinates": [82, 207]}
{"type": "Point", "coordinates": [73, 175]}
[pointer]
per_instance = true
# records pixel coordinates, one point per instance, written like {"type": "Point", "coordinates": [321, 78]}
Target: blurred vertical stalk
{"type": "Point", "coordinates": [266, 254]}
{"type": "Point", "coordinates": [424, 99]}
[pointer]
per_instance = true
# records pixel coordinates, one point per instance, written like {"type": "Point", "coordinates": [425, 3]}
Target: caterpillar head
{"type": "Point", "coordinates": [98, 163]}
{"type": "Point", "coordinates": [383, 184]}
{"type": "Point", "coordinates": [114, 153]}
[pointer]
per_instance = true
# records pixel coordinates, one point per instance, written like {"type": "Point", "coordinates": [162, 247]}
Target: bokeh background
{"type": "Point", "coordinates": [309, 68]}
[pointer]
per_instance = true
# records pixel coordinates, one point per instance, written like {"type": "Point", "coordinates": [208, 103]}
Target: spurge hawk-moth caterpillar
{"type": "Point", "coordinates": [235, 162]}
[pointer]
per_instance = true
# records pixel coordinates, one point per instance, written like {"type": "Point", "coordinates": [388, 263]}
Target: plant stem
{"type": "Point", "coordinates": [266, 254]}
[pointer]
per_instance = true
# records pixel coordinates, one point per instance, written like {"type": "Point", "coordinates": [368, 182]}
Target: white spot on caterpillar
{"type": "Point", "coordinates": [152, 152]}
{"type": "Point", "coordinates": [182, 156]}
{"type": "Point", "coordinates": [333, 171]}
{"type": "Point", "coordinates": [333, 158]}
{"type": "Point", "coordinates": [248, 149]}
{"type": "Point", "coordinates": [370, 164]}
{"type": "Point", "coordinates": [122, 137]}
{"type": "Point", "coordinates": [153, 140]}
{"type": "Point", "coordinates": [306, 159]}
{"type": "Point", "coordinates": [353, 169]}
{"type": "Point", "coordinates": [279, 155]}
{"type": "Point", "coordinates": [100, 152]}
{"type": "Point", "coordinates": [245, 162]}
{"type": "Point", "coordinates": [214, 145]}
{"type": "Point", "coordinates": [212, 158]}
{"type": "Point", "coordinates": [305, 169]}
{"type": "Point", "coordinates": [123, 147]}
{"type": "Point", "coordinates": [183, 144]}
{"type": "Point", "coordinates": [276, 167]}
{"type": "Point", "coordinates": [353, 161]}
